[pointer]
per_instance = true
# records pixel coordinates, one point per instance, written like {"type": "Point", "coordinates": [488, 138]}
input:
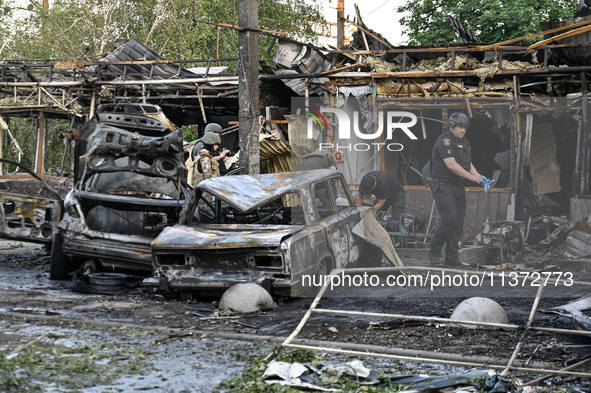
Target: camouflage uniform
{"type": "Point", "coordinates": [204, 168]}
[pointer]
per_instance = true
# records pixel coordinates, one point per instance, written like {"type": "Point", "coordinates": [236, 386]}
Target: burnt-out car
{"type": "Point", "coordinates": [30, 206]}
{"type": "Point", "coordinates": [271, 229]}
{"type": "Point", "coordinates": [130, 184]}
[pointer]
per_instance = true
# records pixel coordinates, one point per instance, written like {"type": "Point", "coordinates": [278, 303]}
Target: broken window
{"type": "Point", "coordinates": [322, 200]}
{"type": "Point", "coordinates": [284, 210]}
{"type": "Point", "coordinates": [133, 184]}
{"type": "Point", "coordinates": [338, 188]}
{"type": "Point", "coordinates": [275, 212]}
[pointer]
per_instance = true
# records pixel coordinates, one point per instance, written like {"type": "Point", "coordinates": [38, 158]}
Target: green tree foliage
{"type": "Point", "coordinates": [72, 28]}
{"type": "Point", "coordinates": [25, 131]}
{"type": "Point", "coordinates": [492, 20]}
{"type": "Point", "coordinates": [6, 12]}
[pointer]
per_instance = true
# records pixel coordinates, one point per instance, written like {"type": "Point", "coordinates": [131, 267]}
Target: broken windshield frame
{"type": "Point", "coordinates": [276, 211]}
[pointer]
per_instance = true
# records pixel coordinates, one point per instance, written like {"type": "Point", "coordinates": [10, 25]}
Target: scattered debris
{"type": "Point", "coordinates": [578, 244]}
{"type": "Point", "coordinates": [306, 376]}
{"type": "Point", "coordinates": [504, 241]}
{"type": "Point", "coordinates": [574, 310]}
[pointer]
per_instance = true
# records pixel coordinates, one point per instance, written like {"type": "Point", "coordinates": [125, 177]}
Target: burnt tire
{"type": "Point", "coordinates": [58, 264]}
{"type": "Point", "coordinates": [324, 268]}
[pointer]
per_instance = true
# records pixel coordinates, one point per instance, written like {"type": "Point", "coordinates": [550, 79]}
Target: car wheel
{"type": "Point", "coordinates": [165, 290]}
{"type": "Point", "coordinates": [58, 262]}
{"type": "Point", "coordinates": [324, 268]}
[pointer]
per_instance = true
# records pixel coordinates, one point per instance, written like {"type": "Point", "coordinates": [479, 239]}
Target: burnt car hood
{"type": "Point", "coordinates": [223, 236]}
{"type": "Point", "coordinates": [246, 192]}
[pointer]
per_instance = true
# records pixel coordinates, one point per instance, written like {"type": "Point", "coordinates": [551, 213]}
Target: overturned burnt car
{"type": "Point", "coordinates": [271, 229]}
{"type": "Point", "coordinates": [130, 183]}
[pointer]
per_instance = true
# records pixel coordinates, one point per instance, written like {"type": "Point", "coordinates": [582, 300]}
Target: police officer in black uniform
{"type": "Point", "coordinates": [452, 163]}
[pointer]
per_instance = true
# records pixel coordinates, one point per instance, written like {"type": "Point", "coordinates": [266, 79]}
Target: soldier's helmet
{"type": "Point", "coordinates": [211, 139]}
{"type": "Point", "coordinates": [458, 119]}
{"type": "Point", "coordinates": [212, 127]}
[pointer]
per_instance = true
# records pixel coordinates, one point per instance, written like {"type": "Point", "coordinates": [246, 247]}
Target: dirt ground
{"type": "Point", "coordinates": [127, 337]}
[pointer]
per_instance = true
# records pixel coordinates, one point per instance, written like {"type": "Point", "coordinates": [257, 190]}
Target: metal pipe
{"type": "Point", "coordinates": [561, 331]}
{"type": "Point", "coordinates": [434, 359]}
{"type": "Point", "coordinates": [530, 320]}
{"type": "Point", "coordinates": [580, 137]}
{"type": "Point", "coordinates": [447, 49]}
{"type": "Point", "coordinates": [443, 74]}
{"type": "Point", "coordinates": [42, 84]}
{"type": "Point", "coordinates": [572, 367]}
{"type": "Point", "coordinates": [447, 320]}
{"type": "Point", "coordinates": [172, 81]}
{"type": "Point", "coordinates": [413, 318]}
{"type": "Point", "coordinates": [289, 339]}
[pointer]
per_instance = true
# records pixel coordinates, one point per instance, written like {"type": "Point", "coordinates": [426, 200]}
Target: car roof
{"type": "Point", "coordinates": [247, 192]}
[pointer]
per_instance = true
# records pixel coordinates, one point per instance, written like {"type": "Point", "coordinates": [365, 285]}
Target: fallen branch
{"type": "Point", "coordinates": [231, 319]}
{"type": "Point", "coordinates": [35, 341]}
{"type": "Point", "coordinates": [186, 332]}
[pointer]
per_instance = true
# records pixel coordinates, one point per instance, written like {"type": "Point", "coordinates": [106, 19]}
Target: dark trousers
{"type": "Point", "coordinates": [398, 203]}
{"type": "Point", "coordinates": [450, 200]}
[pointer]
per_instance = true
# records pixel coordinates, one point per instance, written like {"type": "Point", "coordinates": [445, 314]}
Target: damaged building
{"type": "Point", "coordinates": [528, 109]}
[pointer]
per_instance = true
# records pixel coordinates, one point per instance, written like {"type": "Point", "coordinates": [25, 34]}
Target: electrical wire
{"type": "Point", "coordinates": [387, 1]}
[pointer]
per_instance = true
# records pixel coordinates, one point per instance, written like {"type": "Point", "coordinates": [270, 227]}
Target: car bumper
{"type": "Point", "coordinates": [125, 255]}
{"type": "Point", "coordinates": [280, 287]}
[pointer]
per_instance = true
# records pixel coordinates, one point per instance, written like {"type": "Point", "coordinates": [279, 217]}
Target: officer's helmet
{"type": "Point", "coordinates": [213, 127]}
{"type": "Point", "coordinates": [211, 139]}
{"type": "Point", "coordinates": [458, 119]}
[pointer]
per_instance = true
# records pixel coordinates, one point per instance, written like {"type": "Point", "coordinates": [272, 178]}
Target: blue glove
{"type": "Point", "coordinates": [486, 183]}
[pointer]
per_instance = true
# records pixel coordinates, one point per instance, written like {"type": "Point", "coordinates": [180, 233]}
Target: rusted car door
{"type": "Point", "coordinates": [335, 227]}
{"type": "Point", "coordinates": [349, 213]}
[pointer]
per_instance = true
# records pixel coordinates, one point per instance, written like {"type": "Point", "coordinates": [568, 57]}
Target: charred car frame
{"type": "Point", "coordinates": [270, 229]}
{"type": "Point", "coordinates": [130, 183]}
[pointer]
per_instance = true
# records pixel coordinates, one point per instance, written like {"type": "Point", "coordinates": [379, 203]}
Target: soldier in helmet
{"type": "Point", "coordinates": [205, 167]}
{"type": "Point", "coordinates": [452, 163]}
{"type": "Point", "coordinates": [220, 154]}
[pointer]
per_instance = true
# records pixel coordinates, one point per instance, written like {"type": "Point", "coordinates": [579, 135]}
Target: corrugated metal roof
{"type": "Point", "coordinates": [275, 155]}
{"type": "Point", "coordinates": [136, 50]}
{"type": "Point", "coordinates": [465, 33]}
